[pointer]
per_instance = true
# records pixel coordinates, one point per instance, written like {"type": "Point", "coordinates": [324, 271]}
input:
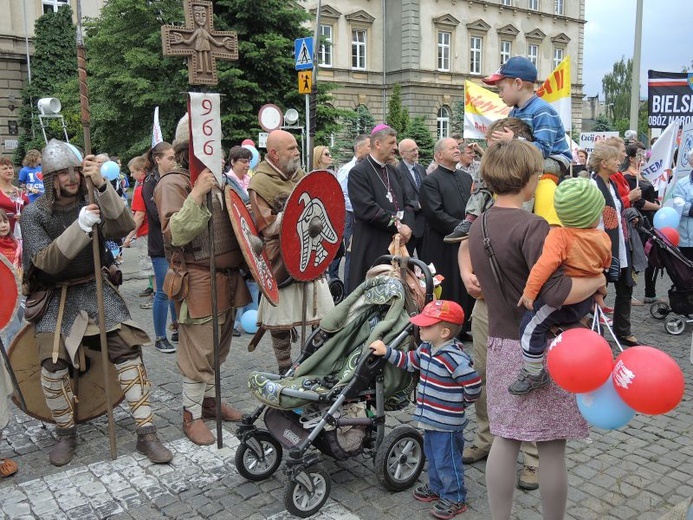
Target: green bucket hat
{"type": "Point", "coordinates": [578, 203]}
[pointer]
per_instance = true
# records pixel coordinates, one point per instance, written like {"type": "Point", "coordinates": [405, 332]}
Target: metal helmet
{"type": "Point", "coordinates": [57, 156]}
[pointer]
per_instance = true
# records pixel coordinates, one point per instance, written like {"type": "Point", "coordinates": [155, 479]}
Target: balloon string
{"type": "Point", "coordinates": [596, 314]}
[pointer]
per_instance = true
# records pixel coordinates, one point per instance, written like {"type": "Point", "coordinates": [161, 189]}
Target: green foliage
{"type": "Point", "coordinates": [397, 115]}
{"type": "Point", "coordinates": [602, 124]}
{"type": "Point", "coordinates": [330, 120]}
{"type": "Point", "coordinates": [457, 118]}
{"type": "Point", "coordinates": [616, 86]}
{"type": "Point", "coordinates": [419, 132]}
{"type": "Point", "coordinates": [54, 65]}
{"type": "Point", "coordinates": [355, 123]}
{"type": "Point", "coordinates": [129, 76]}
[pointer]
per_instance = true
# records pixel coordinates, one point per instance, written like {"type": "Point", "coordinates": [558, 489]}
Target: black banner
{"type": "Point", "coordinates": [669, 98]}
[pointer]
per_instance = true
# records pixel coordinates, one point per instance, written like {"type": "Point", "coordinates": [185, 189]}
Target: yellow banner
{"type": "Point", "coordinates": [556, 91]}
{"type": "Point", "coordinates": [481, 108]}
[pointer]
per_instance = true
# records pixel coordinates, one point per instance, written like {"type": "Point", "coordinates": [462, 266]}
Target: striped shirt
{"type": "Point", "coordinates": [447, 384]}
{"type": "Point", "coordinates": [546, 125]}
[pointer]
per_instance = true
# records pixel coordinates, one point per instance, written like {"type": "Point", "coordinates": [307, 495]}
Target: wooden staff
{"type": "Point", "coordinates": [86, 123]}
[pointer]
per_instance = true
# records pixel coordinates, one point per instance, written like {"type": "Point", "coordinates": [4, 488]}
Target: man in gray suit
{"type": "Point", "coordinates": [411, 175]}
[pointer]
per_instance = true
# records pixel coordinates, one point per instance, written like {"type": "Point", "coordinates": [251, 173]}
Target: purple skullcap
{"type": "Point", "coordinates": [378, 128]}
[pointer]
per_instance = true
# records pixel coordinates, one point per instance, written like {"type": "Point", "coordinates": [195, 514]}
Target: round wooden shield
{"type": "Point", "coordinates": [90, 392]}
{"type": "Point", "coordinates": [251, 246]}
{"type": "Point", "coordinates": [9, 303]}
{"type": "Point", "coordinates": [312, 226]}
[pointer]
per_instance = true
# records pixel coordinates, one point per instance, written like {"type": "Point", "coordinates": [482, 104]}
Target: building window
{"type": "Point", "coordinates": [558, 55]}
{"type": "Point", "coordinates": [325, 54]}
{"type": "Point", "coordinates": [558, 7]}
{"type": "Point", "coordinates": [443, 122]}
{"type": "Point", "coordinates": [475, 55]}
{"type": "Point", "coordinates": [506, 49]}
{"type": "Point", "coordinates": [508, 3]}
{"type": "Point", "coordinates": [358, 49]}
{"type": "Point", "coordinates": [533, 54]}
{"type": "Point", "coordinates": [444, 39]}
{"type": "Point", "coordinates": [534, 5]}
{"type": "Point", "coordinates": [51, 6]}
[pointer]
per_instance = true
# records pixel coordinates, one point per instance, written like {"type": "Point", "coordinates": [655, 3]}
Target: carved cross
{"type": "Point", "coordinates": [199, 42]}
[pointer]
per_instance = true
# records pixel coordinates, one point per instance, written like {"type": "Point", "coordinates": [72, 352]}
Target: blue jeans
{"type": "Point", "coordinates": [255, 294]}
{"type": "Point", "coordinates": [445, 469]}
{"type": "Point", "coordinates": [161, 303]}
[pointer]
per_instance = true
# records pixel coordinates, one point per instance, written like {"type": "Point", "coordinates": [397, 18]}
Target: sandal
{"type": "Point", "coordinates": [8, 468]}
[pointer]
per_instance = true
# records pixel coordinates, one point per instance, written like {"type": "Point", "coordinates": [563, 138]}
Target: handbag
{"type": "Point", "coordinates": [36, 304]}
{"type": "Point", "coordinates": [176, 279]}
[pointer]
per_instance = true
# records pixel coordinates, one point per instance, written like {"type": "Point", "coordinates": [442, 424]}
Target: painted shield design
{"type": "Point", "coordinates": [251, 246]}
{"type": "Point", "coordinates": [89, 389]}
{"type": "Point", "coordinates": [9, 303]}
{"type": "Point", "coordinates": [313, 225]}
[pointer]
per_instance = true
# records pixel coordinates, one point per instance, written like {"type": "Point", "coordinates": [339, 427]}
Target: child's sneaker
{"type": "Point", "coordinates": [526, 382]}
{"type": "Point", "coordinates": [445, 508]}
{"type": "Point", "coordinates": [460, 233]}
{"type": "Point", "coordinates": [424, 493]}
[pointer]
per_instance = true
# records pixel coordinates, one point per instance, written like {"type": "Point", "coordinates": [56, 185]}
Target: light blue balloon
{"type": "Point", "coordinates": [110, 170]}
{"type": "Point", "coordinates": [604, 408]}
{"type": "Point", "coordinates": [256, 155]}
{"type": "Point", "coordinates": [666, 217]}
{"type": "Point", "coordinates": [249, 321]}
{"type": "Point", "coordinates": [75, 151]}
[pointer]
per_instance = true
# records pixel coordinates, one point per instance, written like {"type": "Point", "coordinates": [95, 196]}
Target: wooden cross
{"type": "Point", "coordinates": [199, 42]}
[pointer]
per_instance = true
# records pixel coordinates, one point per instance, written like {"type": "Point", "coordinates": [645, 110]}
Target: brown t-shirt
{"type": "Point", "coordinates": [517, 237]}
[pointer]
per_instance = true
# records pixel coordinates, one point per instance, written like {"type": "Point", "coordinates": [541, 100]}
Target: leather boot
{"type": "Point", "coordinates": [209, 410]}
{"type": "Point", "coordinates": [64, 449]}
{"type": "Point", "coordinates": [149, 445]}
{"type": "Point", "coordinates": [196, 430]}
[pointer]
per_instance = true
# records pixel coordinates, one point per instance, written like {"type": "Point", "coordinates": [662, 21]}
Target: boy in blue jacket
{"type": "Point", "coordinates": [447, 384]}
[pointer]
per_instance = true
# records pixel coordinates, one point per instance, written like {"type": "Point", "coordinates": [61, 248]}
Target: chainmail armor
{"type": "Point", "coordinates": [224, 237]}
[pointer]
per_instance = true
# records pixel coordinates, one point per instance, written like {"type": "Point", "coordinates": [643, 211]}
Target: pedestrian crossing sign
{"type": "Point", "coordinates": [305, 81]}
{"type": "Point", "coordinates": [303, 51]}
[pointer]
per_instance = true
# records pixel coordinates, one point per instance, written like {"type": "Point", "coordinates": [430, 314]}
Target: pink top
{"type": "Point", "coordinates": [244, 182]}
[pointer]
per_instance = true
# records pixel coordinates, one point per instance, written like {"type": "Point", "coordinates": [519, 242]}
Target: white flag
{"type": "Point", "coordinates": [657, 168]}
{"type": "Point", "coordinates": [156, 130]}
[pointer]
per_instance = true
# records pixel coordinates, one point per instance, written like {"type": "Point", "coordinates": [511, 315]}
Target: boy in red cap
{"type": "Point", "coordinates": [447, 384]}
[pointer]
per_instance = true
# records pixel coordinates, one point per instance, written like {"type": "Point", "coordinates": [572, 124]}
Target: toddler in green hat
{"type": "Point", "coordinates": [582, 251]}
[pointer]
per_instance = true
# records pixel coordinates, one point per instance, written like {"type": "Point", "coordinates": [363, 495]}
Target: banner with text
{"type": "Point", "coordinates": [589, 139]}
{"type": "Point", "coordinates": [658, 168]}
{"type": "Point", "coordinates": [205, 129]}
{"type": "Point", "coordinates": [669, 98]}
{"type": "Point", "coordinates": [481, 108]}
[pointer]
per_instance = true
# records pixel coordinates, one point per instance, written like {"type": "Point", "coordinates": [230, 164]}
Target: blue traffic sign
{"type": "Point", "coordinates": [303, 50]}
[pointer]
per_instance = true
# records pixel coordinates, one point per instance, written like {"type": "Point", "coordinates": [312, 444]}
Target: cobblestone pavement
{"type": "Point", "coordinates": [641, 471]}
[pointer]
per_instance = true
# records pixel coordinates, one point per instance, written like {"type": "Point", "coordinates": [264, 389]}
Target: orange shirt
{"type": "Point", "coordinates": [581, 252]}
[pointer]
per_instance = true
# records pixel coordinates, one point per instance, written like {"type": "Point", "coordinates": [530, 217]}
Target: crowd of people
{"type": "Point", "coordinates": [495, 223]}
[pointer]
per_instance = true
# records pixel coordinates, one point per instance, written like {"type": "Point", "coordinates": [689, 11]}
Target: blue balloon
{"type": "Point", "coordinates": [666, 217]}
{"type": "Point", "coordinates": [110, 170]}
{"type": "Point", "coordinates": [76, 151]}
{"type": "Point", "coordinates": [256, 155]}
{"type": "Point", "coordinates": [604, 408]}
{"type": "Point", "coordinates": [249, 321]}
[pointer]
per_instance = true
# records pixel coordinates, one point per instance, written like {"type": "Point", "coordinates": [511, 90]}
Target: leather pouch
{"type": "Point", "coordinates": [37, 305]}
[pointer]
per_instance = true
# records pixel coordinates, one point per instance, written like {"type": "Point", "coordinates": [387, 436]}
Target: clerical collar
{"type": "Point", "coordinates": [376, 161]}
{"type": "Point", "coordinates": [441, 165]}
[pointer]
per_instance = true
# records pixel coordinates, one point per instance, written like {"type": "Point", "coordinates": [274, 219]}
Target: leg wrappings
{"type": "Point", "coordinates": [133, 380]}
{"type": "Point", "coordinates": [193, 394]}
{"type": "Point", "coordinates": [281, 343]}
{"type": "Point", "coordinates": [59, 397]}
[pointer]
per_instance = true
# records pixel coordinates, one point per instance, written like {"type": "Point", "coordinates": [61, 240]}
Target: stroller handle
{"type": "Point", "coordinates": [404, 260]}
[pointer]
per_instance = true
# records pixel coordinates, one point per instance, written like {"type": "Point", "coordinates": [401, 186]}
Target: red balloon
{"type": "Point", "coordinates": [248, 141]}
{"type": "Point", "coordinates": [579, 360]}
{"type": "Point", "coordinates": [671, 235]}
{"type": "Point", "coordinates": [648, 380]}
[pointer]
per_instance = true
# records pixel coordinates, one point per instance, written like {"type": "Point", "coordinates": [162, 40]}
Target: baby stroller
{"type": "Point", "coordinates": [335, 396]}
{"type": "Point", "coordinates": [662, 254]}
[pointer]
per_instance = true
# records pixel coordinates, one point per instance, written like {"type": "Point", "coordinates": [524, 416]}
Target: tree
{"type": "Point", "coordinates": [397, 115]}
{"type": "Point", "coordinates": [53, 65]}
{"type": "Point", "coordinates": [457, 119]}
{"type": "Point", "coordinates": [129, 76]}
{"type": "Point", "coordinates": [602, 124]}
{"type": "Point", "coordinates": [616, 86]}
{"type": "Point", "coordinates": [358, 122]}
{"type": "Point", "coordinates": [419, 132]}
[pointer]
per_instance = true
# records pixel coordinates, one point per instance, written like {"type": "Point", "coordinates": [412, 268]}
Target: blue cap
{"type": "Point", "coordinates": [515, 67]}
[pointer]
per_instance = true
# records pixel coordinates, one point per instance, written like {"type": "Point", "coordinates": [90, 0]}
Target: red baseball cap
{"type": "Point", "coordinates": [437, 311]}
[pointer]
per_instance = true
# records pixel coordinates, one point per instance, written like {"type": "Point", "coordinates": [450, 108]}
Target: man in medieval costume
{"type": "Point", "coordinates": [270, 187]}
{"type": "Point", "coordinates": [58, 255]}
{"type": "Point", "coordinates": [185, 216]}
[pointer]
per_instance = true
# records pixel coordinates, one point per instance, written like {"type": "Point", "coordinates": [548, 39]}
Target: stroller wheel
{"type": "Point", "coordinates": [659, 310]}
{"type": "Point", "coordinates": [303, 502]}
{"type": "Point", "coordinates": [675, 325]}
{"type": "Point", "coordinates": [336, 289]}
{"type": "Point", "coordinates": [258, 456]}
{"type": "Point", "coordinates": [400, 458]}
